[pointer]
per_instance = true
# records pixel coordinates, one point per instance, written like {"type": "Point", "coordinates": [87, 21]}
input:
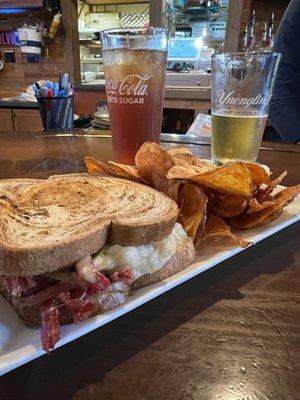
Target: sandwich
{"type": "Point", "coordinates": [74, 246]}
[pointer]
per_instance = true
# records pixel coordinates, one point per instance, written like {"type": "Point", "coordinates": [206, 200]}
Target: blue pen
{"type": "Point", "coordinates": [55, 103]}
{"type": "Point", "coordinates": [55, 89]}
{"type": "Point", "coordinates": [50, 85]}
{"type": "Point", "coordinates": [69, 89]}
{"type": "Point", "coordinates": [65, 81]}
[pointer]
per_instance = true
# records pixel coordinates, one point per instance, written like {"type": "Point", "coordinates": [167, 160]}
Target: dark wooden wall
{"type": "Point", "coordinates": [63, 52]}
{"type": "Point", "coordinates": [16, 77]}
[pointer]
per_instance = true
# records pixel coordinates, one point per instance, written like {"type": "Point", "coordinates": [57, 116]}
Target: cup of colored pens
{"type": "Point", "coordinates": [56, 103]}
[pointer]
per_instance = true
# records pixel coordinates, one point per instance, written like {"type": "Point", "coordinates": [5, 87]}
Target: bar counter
{"type": "Point", "coordinates": [38, 154]}
{"type": "Point", "coordinates": [231, 333]}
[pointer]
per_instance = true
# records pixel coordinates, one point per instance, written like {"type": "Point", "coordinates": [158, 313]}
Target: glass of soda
{"type": "Point", "coordinates": [135, 68]}
{"type": "Point", "coordinates": [241, 90]}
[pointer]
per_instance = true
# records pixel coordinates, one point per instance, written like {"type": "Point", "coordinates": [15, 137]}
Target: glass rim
{"type": "Point", "coordinates": [240, 53]}
{"type": "Point", "coordinates": [132, 32]}
{"type": "Point", "coordinates": [55, 97]}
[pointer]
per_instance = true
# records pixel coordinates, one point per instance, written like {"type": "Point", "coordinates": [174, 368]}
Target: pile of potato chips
{"type": "Point", "coordinates": [211, 199]}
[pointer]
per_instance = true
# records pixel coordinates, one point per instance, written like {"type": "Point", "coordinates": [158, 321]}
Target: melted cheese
{"type": "Point", "coordinates": [143, 259]}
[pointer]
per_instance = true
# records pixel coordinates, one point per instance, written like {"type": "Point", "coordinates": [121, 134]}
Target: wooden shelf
{"type": "Point", "coordinates": [40, 13]}
{"type": "Point", "coordinates": [109, 2]}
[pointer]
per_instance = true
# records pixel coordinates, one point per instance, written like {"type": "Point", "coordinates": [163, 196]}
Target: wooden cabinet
{"type": "Point", "coordinates": [6, 122]}
{"type": "Point", "coordinates": [27, 120]}
{"type": "Point", "coordinates": [22, 119]}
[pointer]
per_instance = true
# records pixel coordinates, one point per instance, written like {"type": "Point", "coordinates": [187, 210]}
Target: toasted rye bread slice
{"type": "Point", "coordinates": [117, 292]}
{"type": "Point", "coordinates": [49, 224]}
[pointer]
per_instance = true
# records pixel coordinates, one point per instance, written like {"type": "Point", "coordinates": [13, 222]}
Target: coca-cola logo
{"type": "Point", "coordinates": [131, 85]}
{"type": "Point", "coordinates": [246, 102]}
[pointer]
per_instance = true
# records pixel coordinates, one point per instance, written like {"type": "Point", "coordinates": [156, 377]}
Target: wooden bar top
{"type": "Point", "coordinates": [39, 154]}
{"type": "Point", "coordinates": [232, 333]}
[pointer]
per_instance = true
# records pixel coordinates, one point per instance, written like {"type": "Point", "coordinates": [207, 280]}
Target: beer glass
{"type": "Point", "coordinates": [241, 90]}
{"type": "Point", "coordinates": [135, 68]}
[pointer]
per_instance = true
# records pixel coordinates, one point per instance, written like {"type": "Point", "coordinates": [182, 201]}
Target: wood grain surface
{"type": "Point", "coordinates": [231, 333]}
{"type": "Point", "coordinates": [24, 154]}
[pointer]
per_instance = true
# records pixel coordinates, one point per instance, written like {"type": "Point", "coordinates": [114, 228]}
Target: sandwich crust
{"type": "Point", "coordinates": [47, 225]}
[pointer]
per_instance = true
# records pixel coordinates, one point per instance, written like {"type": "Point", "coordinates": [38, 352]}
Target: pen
{"type": "Point", "coordinates": [60, 75]}
{"type": "Point", "coordinates": [55, 89]}
{"type": "Point", "coordinates": [65, 81]}
{"type": "Point", "coordinates": [45, 92]}
{"type": "Point", "coordinates": [55, 102]}
{"type": "Point", "coordinates": [49, 108]}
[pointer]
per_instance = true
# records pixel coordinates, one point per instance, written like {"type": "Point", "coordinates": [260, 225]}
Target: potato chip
{"type": "Point", "coordinates": [281, 200]}
{"type": "Point", "coordinates": [258, 173]}
{"type": "Point", "coordinates": [216, 228]}
{"type": "Point", "coordinates": [96, 167]}
{"type": "Point", "coordinates": [232, 178]}
{"type": "Point", "coordinates": [191, 160]}
{"type": "Point", "coordinates": [127, 171]}
{"type": "Point", "coordinates": [179, 150]}
{"type": "Point", "coordinates": [228, 206]}
{"type": "Point", "coordinates": [255, 206]}
{"type": "Point", "coordinates": [241, 192]}
{"type": "Point", "coordinates": [185, 172]}
{"type": "Point", "coordinates": [152, 160]}
{"type": "Point", "coordinates": [184, 159]}
{"type": "Point", "coordinates": [263, 194]}
{"type": "Point", "coordinates": [192, 210]}
{"type": "Point", "coordinates": [171, 189]}
{"type": "Point", "coordinates": [153, 163]}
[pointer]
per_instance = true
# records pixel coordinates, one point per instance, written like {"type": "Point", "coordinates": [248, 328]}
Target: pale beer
{"type": "Point", "coordinates": [236, 137]}
{"type": "Point", "coordinates": [241, 91]}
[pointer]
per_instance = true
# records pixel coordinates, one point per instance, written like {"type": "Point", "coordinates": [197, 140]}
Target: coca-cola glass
{"type": "Point", "coordinates": [135, 68]}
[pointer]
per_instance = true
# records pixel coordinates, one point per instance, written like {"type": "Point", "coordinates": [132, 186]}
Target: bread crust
{"type": "Point", "coordinates": [124, 229]}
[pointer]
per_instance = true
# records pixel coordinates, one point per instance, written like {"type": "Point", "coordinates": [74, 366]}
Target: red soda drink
{"type": "Point", "coordinates": [135, 80]}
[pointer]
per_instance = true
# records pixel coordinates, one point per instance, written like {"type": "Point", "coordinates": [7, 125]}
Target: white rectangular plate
{"type": "Point", "coordinates": [20, 344]}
